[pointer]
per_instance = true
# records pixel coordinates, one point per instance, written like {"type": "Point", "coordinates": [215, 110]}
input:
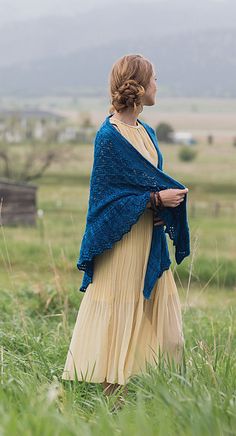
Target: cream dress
{"type": "Point", "coordinates": [117, 332]}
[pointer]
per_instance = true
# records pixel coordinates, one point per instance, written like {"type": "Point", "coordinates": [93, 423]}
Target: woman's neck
{"type": "Point", "coordinates": [127, 117]}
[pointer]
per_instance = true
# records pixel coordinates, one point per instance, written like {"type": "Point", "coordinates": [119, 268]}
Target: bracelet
{"type": "Point", "coordinates": [153, 201]}
{"type": "Point", "coordinates": [159, 200]}
{"type": "Point", "coordinates": [156, 201]}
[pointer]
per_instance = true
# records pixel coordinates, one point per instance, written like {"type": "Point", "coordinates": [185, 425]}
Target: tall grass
{"type": "Point", "coordinates": [39, 301]}
{"type": "Point", "coordinates": [196, 397]}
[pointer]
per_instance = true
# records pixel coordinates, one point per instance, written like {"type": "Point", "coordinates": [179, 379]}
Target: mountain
{"type": "Point", "coordinates": [192, 45]}
{"type": "Point", "coordinates": [187, 64]}
{"type": "Point", "coordinates": [22, 42]}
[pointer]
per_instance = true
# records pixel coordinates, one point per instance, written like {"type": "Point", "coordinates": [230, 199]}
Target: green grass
{"type": "Point", "coordinates": [39, 300]}
{"type": "Point", "coordinates": [197, 398]}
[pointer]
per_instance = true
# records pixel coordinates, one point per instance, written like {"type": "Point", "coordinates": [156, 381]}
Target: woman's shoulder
{"type": "Point", "coordinates": [107, 129]}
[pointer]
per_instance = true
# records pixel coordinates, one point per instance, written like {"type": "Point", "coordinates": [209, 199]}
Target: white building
{"type": "Point", "coordinates": [183, 138]}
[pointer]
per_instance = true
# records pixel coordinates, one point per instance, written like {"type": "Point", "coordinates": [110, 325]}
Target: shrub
{"type": "Point", "coordinates": [187, 154]}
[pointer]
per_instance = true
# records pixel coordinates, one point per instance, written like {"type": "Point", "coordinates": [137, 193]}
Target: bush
{"type": "Point", "coordinates": [187, 154]}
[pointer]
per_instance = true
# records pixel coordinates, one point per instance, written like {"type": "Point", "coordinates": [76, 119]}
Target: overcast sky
{"type": "Point", "coordinates": [18, 10]}
{"type": "Point", "coordinates": [12, 10]}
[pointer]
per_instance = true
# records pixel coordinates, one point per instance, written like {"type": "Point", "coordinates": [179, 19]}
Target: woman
{"type": "Point", "coordinates": [117, 331]}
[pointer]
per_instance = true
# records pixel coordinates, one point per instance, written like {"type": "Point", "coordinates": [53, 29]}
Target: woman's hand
{"type": "Point", "coordinates": [172, 197]}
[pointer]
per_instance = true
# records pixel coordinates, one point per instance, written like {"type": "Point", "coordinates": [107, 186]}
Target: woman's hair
{"type": "Point", "coordinates": [129, 79]}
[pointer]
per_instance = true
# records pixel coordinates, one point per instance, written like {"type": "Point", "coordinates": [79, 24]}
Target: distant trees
{"type": "Point", "coordinates": [29, 165]}
{"type": "Point", "coordinates": [45, 129]}
{"type": "Point", "coordinates": [31, 142]}
{"type": "Point", "coordinates": [164, 131]}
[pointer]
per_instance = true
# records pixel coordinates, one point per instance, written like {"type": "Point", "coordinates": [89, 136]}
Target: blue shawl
{"type": "Point", "coordinates": [120, 183]}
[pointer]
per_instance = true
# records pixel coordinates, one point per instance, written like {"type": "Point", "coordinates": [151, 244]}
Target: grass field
{"type": "Point", "coordinates": [39, 300]}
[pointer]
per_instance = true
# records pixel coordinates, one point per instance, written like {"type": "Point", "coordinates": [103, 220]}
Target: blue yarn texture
{"type": "Point", "coordinates": [120, 184]}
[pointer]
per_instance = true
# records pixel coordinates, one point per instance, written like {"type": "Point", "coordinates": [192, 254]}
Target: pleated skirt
{"type": "Point", "coordinates": [118, 332]}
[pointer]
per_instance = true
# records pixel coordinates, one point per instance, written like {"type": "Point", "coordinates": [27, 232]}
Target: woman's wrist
{"type": "Point", "coordinates": [156, 201]}
{"type": "Point", "coordinates": [153, 200]}
{"type": "Point", "coordinates": [160, 205]}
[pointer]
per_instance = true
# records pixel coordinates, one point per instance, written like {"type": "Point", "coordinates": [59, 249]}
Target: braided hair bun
{"type": "Point", "coordinates": [128, 95]}
{"type": "Point", "coordinates": [129, 79]}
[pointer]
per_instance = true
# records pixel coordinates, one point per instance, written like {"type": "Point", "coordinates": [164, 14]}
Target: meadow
{"type": "Point", "coordinates": [40, 298]}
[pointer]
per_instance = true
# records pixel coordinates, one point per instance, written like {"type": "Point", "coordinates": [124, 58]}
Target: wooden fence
{"type": "Point", "coordinates": [212, 208]}
{"type": "Point", "coordinates": [17, 203]}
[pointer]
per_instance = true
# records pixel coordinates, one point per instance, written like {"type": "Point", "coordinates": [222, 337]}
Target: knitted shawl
{"type": "Point", "coordinates": [120, 184]}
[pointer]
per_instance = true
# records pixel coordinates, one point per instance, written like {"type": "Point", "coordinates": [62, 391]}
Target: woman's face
{"type": "Point", "coordinates": [150, 94]}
